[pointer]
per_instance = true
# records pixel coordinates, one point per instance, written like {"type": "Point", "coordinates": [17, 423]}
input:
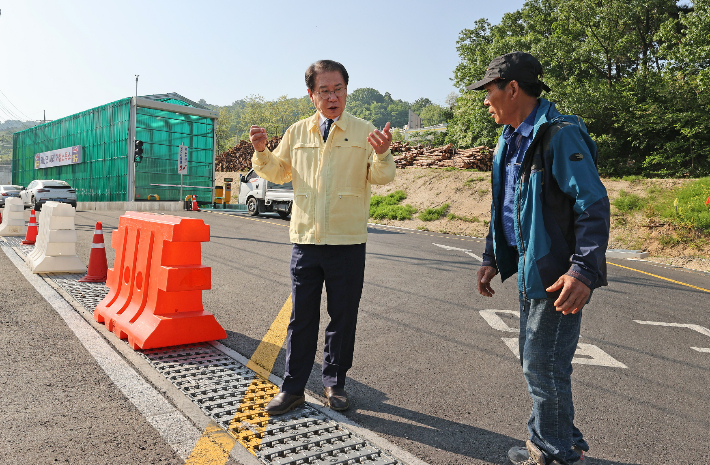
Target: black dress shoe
{"type": "Point", "coordinates": [337, 398]}
{"type": "Point", "coordinates": [283, 402]}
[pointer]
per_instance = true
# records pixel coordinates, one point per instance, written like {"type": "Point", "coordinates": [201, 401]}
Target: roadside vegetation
{"type": "Point", "coordinates": [682, 208]}
{"type": "Point", "coordinates": [433, 214]}
{"type": "Point", "coordinates": [388, 207]}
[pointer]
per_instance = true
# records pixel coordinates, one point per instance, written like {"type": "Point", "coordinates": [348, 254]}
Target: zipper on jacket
{"type": "Point", "coordinates": [520, 234]}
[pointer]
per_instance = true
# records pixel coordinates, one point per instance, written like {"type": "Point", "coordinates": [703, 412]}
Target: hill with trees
{"type": "Point", "coordinates": [637, 72]}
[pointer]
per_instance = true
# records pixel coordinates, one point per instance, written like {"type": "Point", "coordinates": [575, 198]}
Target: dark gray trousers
{"type": "Point", "coordinates": [342, 269]}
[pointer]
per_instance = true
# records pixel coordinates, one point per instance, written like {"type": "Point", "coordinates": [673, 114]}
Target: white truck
{"type": "Point", "coordinates": [262, 196]}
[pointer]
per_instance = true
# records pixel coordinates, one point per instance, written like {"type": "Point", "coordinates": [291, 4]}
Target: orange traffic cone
{"type": "Point", "coordinates": [195, 208]}
{"type": "Point", "coordinates": [31, 235]}
{"type": "Point", "coordinates": [97, 260]}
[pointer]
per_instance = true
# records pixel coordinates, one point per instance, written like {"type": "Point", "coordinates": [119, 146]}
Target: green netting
{"type": "Point", "coordinates": [103, 134]}
{"type": "Point", "coordinates": [162, 133]}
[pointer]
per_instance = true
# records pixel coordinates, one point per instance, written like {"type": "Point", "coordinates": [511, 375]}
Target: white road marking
{"type": "Point", "coordinates": [466, 251]}
{"type": "Point", "coordinates": [177, 431]}
{"type": "Point", "coordinates": [586, 354]}
{"type": "Point", "coordinates": [497, 322]}
{"type": "Point", "coordinates": [701, 329]}
{"type": "Point", "coordinates": [698, 328]}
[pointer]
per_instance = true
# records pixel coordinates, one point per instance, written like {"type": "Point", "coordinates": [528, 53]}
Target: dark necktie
{"type": "Point", "coordinates": [328, 122]}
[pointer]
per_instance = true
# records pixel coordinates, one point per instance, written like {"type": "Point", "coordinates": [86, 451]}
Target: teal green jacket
{"type": "Point", "coordinates": [561, 208]}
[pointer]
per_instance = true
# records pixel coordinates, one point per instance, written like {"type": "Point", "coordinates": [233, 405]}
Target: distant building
{"type": "Point", "coordinates": [415, 122]}
{"type": "Point", "coordinates": [95, 151]}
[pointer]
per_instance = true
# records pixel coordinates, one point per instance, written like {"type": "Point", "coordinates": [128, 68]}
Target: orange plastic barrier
{"type": "Point", "coordinates": [156, 284]}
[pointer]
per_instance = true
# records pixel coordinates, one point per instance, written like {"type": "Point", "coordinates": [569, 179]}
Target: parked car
{"type": "Point", "coordinates": [44, 190]}
{"type": "Point", "coordinates": [8, 190]}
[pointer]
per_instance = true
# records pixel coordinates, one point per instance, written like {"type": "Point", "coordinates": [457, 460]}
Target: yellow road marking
{"type": "Point", "coordinates": [661, 277]}
{"type": "Point", "coordinates": [212, 448]}
{"type": "Point", "coordinates": [248, 424]}
{"type": "Point", "coordinates": [265, 355]}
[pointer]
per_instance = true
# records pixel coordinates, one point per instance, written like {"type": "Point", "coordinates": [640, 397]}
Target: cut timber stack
{"type": "Point", "coordinates": [238, 158]}
{"type": "Point", "coordinates": [479, 158]}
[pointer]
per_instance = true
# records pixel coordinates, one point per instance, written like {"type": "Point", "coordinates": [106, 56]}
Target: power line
{"type": "Point", "coordinates": [1, 92]}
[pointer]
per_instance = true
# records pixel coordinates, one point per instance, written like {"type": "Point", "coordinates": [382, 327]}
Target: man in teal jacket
{"type": "Point", "coordinates": [550, 225]}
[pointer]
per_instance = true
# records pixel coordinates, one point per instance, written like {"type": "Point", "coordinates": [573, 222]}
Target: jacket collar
{"type": "Point", "coordinates": [546, 112]}
{"type": "Point", "coordinates": [342, 123]}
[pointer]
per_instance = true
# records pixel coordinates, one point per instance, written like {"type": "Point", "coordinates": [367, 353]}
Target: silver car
{"type": "Point", "coordinates": [8, 190]}
{"type": "Point", "coordinates": [44, 190]}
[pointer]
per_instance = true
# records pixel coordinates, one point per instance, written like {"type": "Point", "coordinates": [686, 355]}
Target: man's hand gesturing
{"type": "Point", "coordinates": [380, 140]}
{"type": "Point", "coordinates": [258, 138]}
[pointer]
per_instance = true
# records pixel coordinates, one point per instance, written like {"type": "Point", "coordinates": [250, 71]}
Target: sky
{"type": "Point", "coordinates": [70, 56]}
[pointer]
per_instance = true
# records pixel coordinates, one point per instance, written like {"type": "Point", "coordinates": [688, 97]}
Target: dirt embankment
{"type": "Point", "coordinates": [469, 197]}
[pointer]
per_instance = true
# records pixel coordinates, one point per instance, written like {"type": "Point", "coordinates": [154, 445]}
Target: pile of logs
{"type": "Point", "coordinates": [238, 158]}
{"type": "Point", "coordinates": [479, 158]}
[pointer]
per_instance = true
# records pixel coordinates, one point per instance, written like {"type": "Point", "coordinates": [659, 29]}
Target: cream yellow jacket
{"type": "Point", "coordinates": [331, 180]}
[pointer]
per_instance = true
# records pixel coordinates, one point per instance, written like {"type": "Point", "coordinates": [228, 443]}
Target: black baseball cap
{"type": "Point", "coordinates": [514, 66]}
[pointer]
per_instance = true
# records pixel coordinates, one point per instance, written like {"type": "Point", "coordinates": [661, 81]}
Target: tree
{"type": "Point", "coordinates": [366, 96]}
{"type": "Point", "coordinates": [420, 104]}
{"type": "Point", "coordinates": [435, 114]}
{"type": "Point", "coordinates": [626, 67]}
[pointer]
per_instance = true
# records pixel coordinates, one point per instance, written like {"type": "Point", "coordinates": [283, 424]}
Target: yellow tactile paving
{"type": "Point", "coordinates": [250, 421]}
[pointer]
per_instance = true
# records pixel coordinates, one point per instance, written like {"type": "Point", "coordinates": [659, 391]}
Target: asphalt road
{"type": "Point", "coordinates": [58, 405]}
{"type": "Point", "coordinates": [434, 372]}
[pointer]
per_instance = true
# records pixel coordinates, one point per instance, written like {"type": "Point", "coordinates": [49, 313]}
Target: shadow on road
{"type": "Point", "coordinates": [405, 427]}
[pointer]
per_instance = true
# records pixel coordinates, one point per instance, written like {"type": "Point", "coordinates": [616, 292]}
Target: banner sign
{"type": "Point", "coordinates": [67, 156]}
{"type": "Point", "coordinates": [182, 159]}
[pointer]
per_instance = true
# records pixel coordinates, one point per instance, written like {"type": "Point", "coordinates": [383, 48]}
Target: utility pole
{"type": "Point", "coordinates": [137, 84]}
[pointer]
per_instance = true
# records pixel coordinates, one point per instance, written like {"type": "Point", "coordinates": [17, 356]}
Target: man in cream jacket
{"type": "Point", "coordinates": [332, 159]}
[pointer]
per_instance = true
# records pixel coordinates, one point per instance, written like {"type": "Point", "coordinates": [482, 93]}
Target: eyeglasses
{"type": "Point", "coordinates": [325, 94]}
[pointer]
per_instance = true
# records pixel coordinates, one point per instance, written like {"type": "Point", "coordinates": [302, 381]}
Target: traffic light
{"type": "Point", "coordinates": [138, 152]}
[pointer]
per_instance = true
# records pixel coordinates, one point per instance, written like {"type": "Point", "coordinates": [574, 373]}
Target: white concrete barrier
{"type": "Point", "coordinates": [13, 218]}
{"type": "Point", "coordinates": [55, 249]}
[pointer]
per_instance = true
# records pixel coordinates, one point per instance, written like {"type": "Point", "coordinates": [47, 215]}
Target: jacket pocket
{"type": "Point", "coordinates": [303, 212]}
{"type": "Point", "coordinates": [304, 160]}
{"type": "Point", "coordinates": [347, 213]}
{"type": "Point", "coordinates": [349, 162]}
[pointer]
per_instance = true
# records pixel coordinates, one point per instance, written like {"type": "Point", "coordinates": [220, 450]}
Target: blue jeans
{"type": "Point", "coordinates": [548, 340]}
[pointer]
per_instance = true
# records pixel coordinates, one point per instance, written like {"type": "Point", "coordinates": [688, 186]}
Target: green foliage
{"type": "Point", "coordinates": [6, 145]}
{"type": "Point", "coordinates": [467, 219]}
{"type": "Point", "coordinates": [388, 207]}
{"type": "Point", "coordinates": [275, 116]}
{"type": "Point", "coordinates": [692, 211]}
{"type": "Point", "coordinates": [626, 202]}
{"type": "Point", "coordinates": [428, 137]}
{"type": "Point", "coordinates": [432, 214]}
{"type": "Point", "coordinates": [636, 71]}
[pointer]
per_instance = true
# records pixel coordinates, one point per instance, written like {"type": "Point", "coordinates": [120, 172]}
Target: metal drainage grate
{"type": "Point", "coordinates": [235, 397]}
{"type": "Point", "coordinates": [16, 241]}
{"type": "Point", "coordinates": [87, 294]}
